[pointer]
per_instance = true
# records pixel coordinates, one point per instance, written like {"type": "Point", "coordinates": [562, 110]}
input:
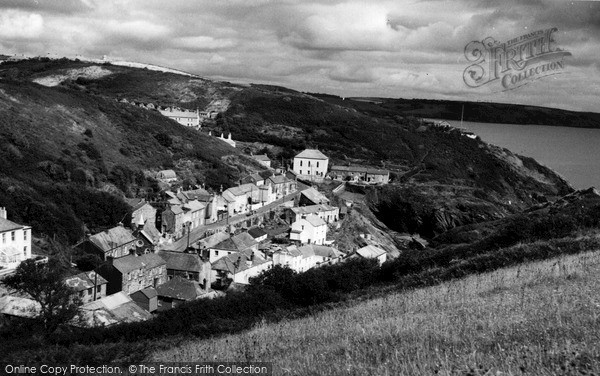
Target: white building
{"type": "Point", "coordinates": [372, 252]}
{"type": "Point", "coordinates": [327, 213]}
{"type": "Point", "coordinates": [311, 164]}
{"type": "Point", "coordinates": [263, 160]}
{"type": "Point", "coordinates": [311, 230]}
{"type": "Point", "coordinates": [183, 117]}
{"type": "Point", "coordinates": [15, 242]}
{"type": "Point", "coordinates": [306, 257]}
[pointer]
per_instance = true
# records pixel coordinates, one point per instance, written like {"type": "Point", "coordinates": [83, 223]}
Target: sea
{"type": "Point", "coordinates": [573, 153]}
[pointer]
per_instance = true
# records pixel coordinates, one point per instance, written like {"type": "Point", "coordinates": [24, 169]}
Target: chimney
{"type": "Point", "coordinates": [3, 212]}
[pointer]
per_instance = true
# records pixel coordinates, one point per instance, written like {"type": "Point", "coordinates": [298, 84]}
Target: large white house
{"type": "Point", "coordinates": [306, 257]}
{"type": "Point", "coordinates": [311, 230]}
{"type": "Point", "coordinates": [15, 242]}
{"type": "Point", "coordinates": [183, 117]}
{"type": "Point", "coordinates": [311, 164]}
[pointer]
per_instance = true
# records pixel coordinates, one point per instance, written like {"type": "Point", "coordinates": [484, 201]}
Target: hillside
{"type": "Point", "coordinates": [67, 157]}
{"type": "Point", "coordinates": [442, 179]}
{"type": "Point", "coordinates": [538, 318]}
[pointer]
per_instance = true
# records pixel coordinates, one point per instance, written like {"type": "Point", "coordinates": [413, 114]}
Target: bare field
{"type": "Point", "coordinates": [535, 319]}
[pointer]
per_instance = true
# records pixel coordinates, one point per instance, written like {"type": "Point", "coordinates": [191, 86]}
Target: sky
{"type": "Point", "coordinates": [396, 49]}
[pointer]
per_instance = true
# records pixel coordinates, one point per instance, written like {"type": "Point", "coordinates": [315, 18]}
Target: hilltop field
{"type": "Point", "coordinates": [538, 318]}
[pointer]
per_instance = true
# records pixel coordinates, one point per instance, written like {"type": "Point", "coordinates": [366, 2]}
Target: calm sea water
{"type": "Point", "coordinates": [574, 153]}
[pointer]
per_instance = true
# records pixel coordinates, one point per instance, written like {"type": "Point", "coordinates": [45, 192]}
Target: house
{"type": "Point", "coordinates": [133, 273]}
{"type": "Point", "coordinates": [88, 286]}
{"type": "Point", "coordinates": [311, 196]}
{"type": "Point", "coordinates": [311, 164]}
{"type": "Point", "coordinates": [327, 213]}
{"type": "Point", "coordinates": [254, 179]}
{"type": "Point", "coordinates": [241, 243]}
{"type": "Point", "coordinates": [146, 298]}
{"type": "Point", "coordinates": [372, 252]}
{"type": "Point", "coordinates": [244, 198]}
{"type": "Point", "coordinates": [204, 245]}
{"type": "Point", "coordinates": [112, 243]}
{"type": "Point", "coordinates": [113, 309]}
{"type": "Point", "coordinates": [263, 160]}
{"type": "Point", "coordinates": [306, 257]}
{"type": "Point", "coordinates": [360, 174]}
{"type": "Point", "coordinates": [258, 234]}
{"type": "Point", "coordinates": [166, 176]}
{"type": "Point", "coordinates": [183, 117]}
{"type": "Point", "coordinates": [177, 291]}
{"type": "Point", "coordinates": [173, 220]}
{"type": "Point", "coordinates": [227, 140]}
{"type": "Point", "coordinates": [311, 230]}
{"type": "Point", "coordinates": [15, 242]}
{"type": "Point", "coordinates": [239, 268]}
{"type": "Point", "coordinates": [187, 265]}
{"type": "Point", "coordinates": [281, 185]}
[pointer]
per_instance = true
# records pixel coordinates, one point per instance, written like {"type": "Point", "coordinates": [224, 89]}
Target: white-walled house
{"type": "Point", "coordinates": [239, 267]}
{"type": "Point", "coordinates": [15, 242]}
{"type": "Point", "coordinates": [309, 230]}
{"type": "Point", "coordinates": [306, 257]}
{"type": "Point", "coordinates": [183, 117]}
{"type": "Point", "coordinates": [326, 212]}
{"type": "Point", "coordinates": [311, 164]}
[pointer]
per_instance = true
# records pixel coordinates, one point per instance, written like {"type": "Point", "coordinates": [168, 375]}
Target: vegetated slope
{"type": "Point", "coordinates": [66, 157]}
{"type": "Point", "coordinates": [442, 178]}
{"type": "Point", "coordinates": [538, 318]}
{"type": "Point", "coordinates": [473, 111]}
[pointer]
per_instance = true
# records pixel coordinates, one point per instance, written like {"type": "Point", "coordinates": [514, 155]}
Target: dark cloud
{"type": "Point", "coordinates": [52, 6]}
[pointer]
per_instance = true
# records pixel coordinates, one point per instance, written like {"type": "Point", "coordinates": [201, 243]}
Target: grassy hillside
{"type": "Point", "coordinates": [539, 318]}
{"type": "Point", "coordinates": [63, 151]}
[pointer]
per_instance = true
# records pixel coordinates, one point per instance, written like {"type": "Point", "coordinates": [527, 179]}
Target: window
{"type": "Point", "coordinates": [216, 253]}
{"type": "Point", "coordinates": [98, 289]}
{"type": "Point", "coordinates": [317, 164]}
{"type": "Point", "coordinates": [25, 251]}
{"type": "Point", "coordinates": [300, 172]}
{"type": "Point", "coordinates": [12, 236]}
{"type": "Point", "coordinates": [301, 163]}
{"type": "Point", "coordinates": [25, 235]}
{"type": "Point", "coordinates": [3, 238]}
{"type": "Point", "coordinates": [90, 290]}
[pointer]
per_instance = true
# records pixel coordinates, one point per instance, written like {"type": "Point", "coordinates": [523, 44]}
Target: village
{"type": "Point", "coordinates": [196, 244]}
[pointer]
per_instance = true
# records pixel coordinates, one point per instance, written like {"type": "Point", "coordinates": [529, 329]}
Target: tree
{"type": "Point", "coordinates": [44, 283]}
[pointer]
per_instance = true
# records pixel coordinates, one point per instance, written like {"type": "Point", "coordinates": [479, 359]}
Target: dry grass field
{"type": "Point", "coordinates": [535, 319]}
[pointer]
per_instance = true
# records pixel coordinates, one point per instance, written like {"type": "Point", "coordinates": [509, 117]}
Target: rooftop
{"type": "Point", "coordinates": [112, 238]}
{"type": "Point", "coordinates": [113, 309]}
{"type": "Point", "coordinates": [129, 263]}
{"type": "Point", "coordinates": [315, 196]}
{"type": "Point", "coordinates": [237, 243]}
{"type": "Point", "coordinates": [311, 209]}
{"type": "Point", "coordinates": [84, 281]}
{"type": "Point", "coordinates": [182, 261]}
{"type": "Point", "coordinates": [180, 288]}
{"type": "Point", "coordinates": [370, 251]}
{"type": "Point", "coordinates": [6, 225]}
{"type": "Point", "coordinates": [256, 232]}
{"type": "Point", "coordinates": [312, 154]}
{"type": "Point", "coordinates": [262, 157]}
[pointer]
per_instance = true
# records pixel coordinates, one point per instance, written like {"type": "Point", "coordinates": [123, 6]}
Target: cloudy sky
{"type": "Point", "coordinates": [399, 48]}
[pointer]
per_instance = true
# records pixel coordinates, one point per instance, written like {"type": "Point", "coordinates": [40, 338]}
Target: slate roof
{"type": "Point", "coordinates": [194, 205]}
{"type": "Point", "coordinates": [112, 238]}
{"type": "Point", "coordinates": [256, 232]}
{"type": "Point", "coordinates": [84, 281]}
{"type": "Point", "coordinates": [237, 243]}
{"type": "Point", "coordinates": [311, 209]}
{"type": "Point", "coordinates": [228, 263]}
{"type": "Point", "coordinates": [197, 194]}
{"type": "Point", "coordinates": [370, 251]}
{"type": "Point", "coordinates": [262, 158]}
{"type": "Point", "coordinates": [6, 225]}
{"type": "Point", "coordinates": [214, 239]}
{"type": "Point", "coordinates": [309, 250]}
{"type": "Point", "coordinates": [148, 292]}
{"type": "Point", "coordinates": [242, 189]}
{"type": "Point", "coordinates": [176, 209]}
{"type": "Point", "coordinates": [112, 309]}
{"type": "Point", "coordinates": [359, 169]}
{"type": "Point", "coordinates": [312, 154]}
{"type": "Point", "coordinates": [180, 288]}
{"type": "Point", "coordinates": [278, 179]}
{"type": "Point", "coordinates": [315, 221]}
{"type": "Point", "coordinates": [129, 263]}
{"type": "Point", "coordinates": [182, 261]}
{"type": "Point", "coordinates": [315, 196]}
